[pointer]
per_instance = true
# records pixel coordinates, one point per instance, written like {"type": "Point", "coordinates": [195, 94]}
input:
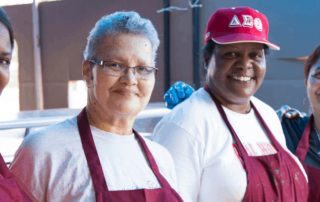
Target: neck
{"type": "Point", "coordinates": [243, 106]}
{"type": "Point", "coordinates": [109, 122]}
{"type": "Point", "coordinates": [316, 120]}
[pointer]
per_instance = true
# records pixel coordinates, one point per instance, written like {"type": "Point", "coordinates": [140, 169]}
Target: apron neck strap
{"type": "Point", "coordinates": [303, 145]}
{"type": "Point", "coordinates": [151, 161]}
{"type": "Point", "coordinates": [95, 168]}
{"type": "Point", "coordinates": [94, 163]}
{"type": "Point", "coordinates": [232, 131]}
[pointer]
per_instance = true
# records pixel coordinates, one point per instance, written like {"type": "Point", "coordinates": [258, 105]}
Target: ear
{"type": "Point", "coordinates": [206, 59]}
{"type": "Point", "coordinates": [87, 73]}
{"type": "Point", "coordinates": [305, 82]}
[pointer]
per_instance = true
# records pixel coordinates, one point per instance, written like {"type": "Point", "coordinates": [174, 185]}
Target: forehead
{"type": "Point", "coordinates": [5, 46]}
{"type": "Point", "coordinates": [241, 46]}
{"type": "Point", "coordinates": [125, 47]}
{"type": "Point", "coordinates": [124, 40]}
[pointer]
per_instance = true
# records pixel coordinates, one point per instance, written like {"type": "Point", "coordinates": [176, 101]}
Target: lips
{"type": "Point", "coordinates": [127, 92]}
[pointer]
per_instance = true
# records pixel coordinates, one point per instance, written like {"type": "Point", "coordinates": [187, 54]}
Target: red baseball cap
{"type": "Point", "coordinates": [238, 25]}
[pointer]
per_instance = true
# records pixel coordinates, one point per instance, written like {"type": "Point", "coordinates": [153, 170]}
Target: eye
{"type": "Point", "coordinates": [114, 66]}
{"type": "Point", "coordinates": [316, 75]}
{"type": "Point", "coordinates": [144, 70]}
{"type": "Point", "coordinates": [230, 55]}
{"type": "Point", "coordinates": [4, 62]}
{"type": "Point", "coordinates": [257, 55]}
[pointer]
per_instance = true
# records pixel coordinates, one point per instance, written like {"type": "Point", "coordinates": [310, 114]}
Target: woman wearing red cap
{"type": "Point", "coordinates": [9, 189]}
{"type": "Point", "coordinates": [227, 144]}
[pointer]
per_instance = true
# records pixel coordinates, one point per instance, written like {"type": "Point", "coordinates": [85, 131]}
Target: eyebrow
{"type": "Point", "coordinates": [5, 53]}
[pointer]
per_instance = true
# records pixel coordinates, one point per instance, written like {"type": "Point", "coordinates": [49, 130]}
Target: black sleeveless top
{"type": "Point", "coordinates": [293, 129]}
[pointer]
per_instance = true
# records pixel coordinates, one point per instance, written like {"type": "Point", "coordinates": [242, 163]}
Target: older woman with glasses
{"type": "Point", "coordinates": [97, 156]}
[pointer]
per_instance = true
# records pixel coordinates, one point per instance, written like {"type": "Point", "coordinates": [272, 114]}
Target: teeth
{"type": "Point", "coordinates": [242, 78]}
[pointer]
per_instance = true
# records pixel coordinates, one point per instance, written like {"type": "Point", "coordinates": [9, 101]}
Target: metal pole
{"type": "Point", "coordinates": [196, 45]}
{"type": "Point", "coordinates": [37, 56]}
{"type": "Point", "coordinates": [166, 22]}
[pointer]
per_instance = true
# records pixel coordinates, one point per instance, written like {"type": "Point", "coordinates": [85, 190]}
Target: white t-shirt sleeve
{"type": "Point", "coordinates": [25, 167]}
{"type": "Point", "coordinates": [186, 152]}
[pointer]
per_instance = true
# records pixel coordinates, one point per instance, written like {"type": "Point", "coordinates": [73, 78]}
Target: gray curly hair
{"type": "Point", "coordinates": [121, 22]}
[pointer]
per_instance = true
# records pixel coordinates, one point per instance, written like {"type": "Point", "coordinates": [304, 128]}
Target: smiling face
{"type": "Point", "coordinates": [125, 95]}
{"type": "Point", "coordinates": [313, 87]}
{"type": "Point", "coordinates": [5, 56]}
{"type": "Point", "coordinates": [235, 73]}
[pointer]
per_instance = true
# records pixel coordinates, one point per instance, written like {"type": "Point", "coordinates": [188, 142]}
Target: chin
{"type": "Point", "coordinates": [128, 108]}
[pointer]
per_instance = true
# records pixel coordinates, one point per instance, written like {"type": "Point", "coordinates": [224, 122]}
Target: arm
{"type": "Point", "coordinates": [178, 92]}
{"type": "Point", "coordinates": [25, 168]}
{"type": "Point", "coordinates": [187, 153]}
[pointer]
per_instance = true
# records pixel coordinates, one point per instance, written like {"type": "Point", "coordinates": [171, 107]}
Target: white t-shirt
{"type": "Point", "coordinates": [52, 163]}
{"type": "Point", "coordinates": [208, 168]}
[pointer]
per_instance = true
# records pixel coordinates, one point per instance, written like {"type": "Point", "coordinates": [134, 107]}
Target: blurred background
{"type": "Point", "coordinates": [51, 35]}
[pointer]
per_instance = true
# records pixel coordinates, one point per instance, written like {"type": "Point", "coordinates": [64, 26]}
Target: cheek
{"type": "Point", "coordinates": [313, 89]}
{"type": "Point", "coordinates": [146, 87]}
{"type": "Point", "coordinates": [4, 78]}
{"type": "Point", "coordinates": [263, 72]}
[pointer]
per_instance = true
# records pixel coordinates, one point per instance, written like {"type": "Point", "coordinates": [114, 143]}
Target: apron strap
{"type": "Point", "coordinates": [303, 145]}
{"type": "Point", "coordinates": [238, 144]}
{"type": "Point", "coordinates": [4, 171]}
{"type": "Point", "coordinates": [95, 168]}
{"type": "Point", "coordinates": [151, 161]}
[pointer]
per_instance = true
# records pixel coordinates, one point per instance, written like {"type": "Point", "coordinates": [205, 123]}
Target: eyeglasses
{"type": "Point", "coordinates": [117, 69]}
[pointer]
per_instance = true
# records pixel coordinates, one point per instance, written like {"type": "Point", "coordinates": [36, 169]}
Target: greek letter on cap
{"type": "Point", "coordinates": [235, 22]}
{"type": "Point", "coordinates": [247, 21]}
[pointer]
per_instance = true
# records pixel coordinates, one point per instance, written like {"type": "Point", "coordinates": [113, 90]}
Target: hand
{"type": "Point", "coordinates": [178, 92]}
{"type": "Point", "coordinates": [290, 113]}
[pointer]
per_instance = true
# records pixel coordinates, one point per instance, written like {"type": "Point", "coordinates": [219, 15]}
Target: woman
{"type": "Point", "coordinates": [228, 145]}
{"type": "Point", "coordinates": [97, 156]}
{"type": "Point", "coordinates": [9, 189]}
{"type": "Point", "coordinates": [302, 132]}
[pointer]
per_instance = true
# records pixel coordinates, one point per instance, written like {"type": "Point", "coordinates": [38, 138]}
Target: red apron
{"type": "Point", "coordinates": [102, 193]}
{"type": "Point", "coordinates": [270, 178]}
{"type": "Point", "coordinates": [9, 189]}
{"type": "Point", "coordinates": [312, 172]}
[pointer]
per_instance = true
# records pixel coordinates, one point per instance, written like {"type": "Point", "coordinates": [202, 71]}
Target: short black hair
{"type": "Point", "coordinates": [4, 19]}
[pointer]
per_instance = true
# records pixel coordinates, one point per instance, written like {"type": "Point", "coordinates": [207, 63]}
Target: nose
{"type": "Point", "coordinates": [129, 76]}
{"type": "Point", "coordinates": [245, 62]}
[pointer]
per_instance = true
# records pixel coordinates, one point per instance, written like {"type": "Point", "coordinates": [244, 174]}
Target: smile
{"type": "Point", "coordinates": [242, 78]}
{"type": "Point", "coordinates": [127, 92]}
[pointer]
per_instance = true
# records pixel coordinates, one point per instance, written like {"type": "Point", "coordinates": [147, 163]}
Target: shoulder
{"type": "Point", "coordinates": [157, 150]}
{"type": "Point", "coordinates": [41, 142]}
{"type": "Point", "coordinates": [198, 108]}
{"type": "Point", "coordinates": [164, 161]}
{"type": "Point", "coordinates": [270, 117]}
{"type": "Point", "coordinates": [293, 130]}
{"type": "Point", "coordinates": [267, 112]}
{"type": "Point", "coordinates": [262, 106]}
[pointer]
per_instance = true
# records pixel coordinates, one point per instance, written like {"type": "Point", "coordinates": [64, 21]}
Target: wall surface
{"type": "Point", "coordinates": [65, 24]}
